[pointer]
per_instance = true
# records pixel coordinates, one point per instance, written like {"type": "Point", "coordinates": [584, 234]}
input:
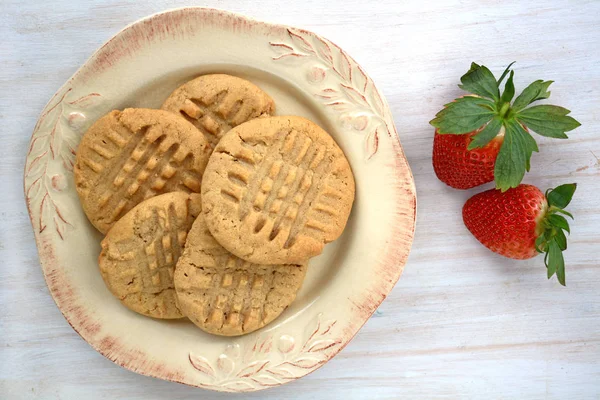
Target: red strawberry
{"type": "Point", "coordinates": [485, 136]}
{"type": "Point", "coordinates": [522, 222]}
{"type": "Point", "coordinates": [460, 168]}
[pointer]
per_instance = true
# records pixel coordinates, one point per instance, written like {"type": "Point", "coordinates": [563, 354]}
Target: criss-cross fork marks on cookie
{"type": "Point", "coordinates": [224, 294]}
{"type": "Point", "coordinates": [217, 115]}
{"type": "Point", "coordinates": [216, 103]}
{"type": "Point", "coordinates": [146, 261]}
{"type": "Point", "coordinates": [235, 296]}
{"type": "Point", "coordinates": [291, 196]}
{"type": "Point", "coordinates": [130, 167]}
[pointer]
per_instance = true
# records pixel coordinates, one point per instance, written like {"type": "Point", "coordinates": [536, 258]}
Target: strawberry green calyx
{"type": "Point", "coordinates": [551, 239]}
{"type": "Point", "coordinates": [489, 110]}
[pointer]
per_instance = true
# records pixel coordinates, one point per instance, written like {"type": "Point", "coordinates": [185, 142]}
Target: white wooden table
{"type": "Point", "coordinates": [462, 322]}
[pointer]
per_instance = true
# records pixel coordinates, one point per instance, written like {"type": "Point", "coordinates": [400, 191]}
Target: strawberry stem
{"type": "Point", "coordinates": [504, 110]}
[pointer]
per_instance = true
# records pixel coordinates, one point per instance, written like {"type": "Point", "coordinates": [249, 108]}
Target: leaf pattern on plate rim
{"type": "Point", "coordinates": [265, 365]}
{"type": "Point", "coordinates": [350, 91]}
{"type": "Point", "coordinates": [52, 148]}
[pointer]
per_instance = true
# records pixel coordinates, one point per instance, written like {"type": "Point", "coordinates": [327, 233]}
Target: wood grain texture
{"type": "Point", "coordinates": [461, 322]}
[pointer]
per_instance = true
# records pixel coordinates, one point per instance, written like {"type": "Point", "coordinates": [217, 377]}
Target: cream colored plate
{"type": "Point", "coordinates": [306, 75]}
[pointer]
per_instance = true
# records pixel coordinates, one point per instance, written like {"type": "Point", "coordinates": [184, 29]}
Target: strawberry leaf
{"type": "Point", "coordinates": [463, 115]}
{"type": "Point", "coordinates": [506, 71]}
{"type": "Point", "coordinates": [560, 270]}
{"type": "Point", "coordinates": [547, 120]}
{"type": "Point", "coordinates": [556, 262]}
{"type": "Point", "coordinates": [551, 267]}
{"type": "Point", "coordinates": [559, 221]}
{"type": "Point", "coordinates": [537, 90]}
{"type": "Point", "coordinates": [561, 239]}
{"type": "Point", "coordinates": [479, 80]}
{"type": "Point", "coordinates": [514, 156]}
{"type": "Point", "coordinates": [568, 214]}
{"type": "Point", "coordinates": [561, 196]}
{"type": "Point", "coordinates": [531, 144]}
{"type": "Point", "coordinates": [487, 134]}
{"type": "Point", "coordinates": [509, 89]}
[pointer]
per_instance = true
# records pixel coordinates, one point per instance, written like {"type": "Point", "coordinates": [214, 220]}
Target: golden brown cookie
{"type": "Point", "coordinates": [129, 156]}
{"type": "Point", "coordinates": [225, 295]}
{"type": "Point", "coordinates": [140, 251]}
{"type": "Point", "coordinates": [216, 103]}
{"type": "Point", "coordinates": [275, 190]}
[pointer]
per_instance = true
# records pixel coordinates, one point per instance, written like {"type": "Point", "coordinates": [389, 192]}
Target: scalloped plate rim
{"type": "Point", "coordinates": [46, 262]}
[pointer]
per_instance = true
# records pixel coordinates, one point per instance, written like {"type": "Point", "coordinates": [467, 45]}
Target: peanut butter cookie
{"type": "Point", "coordinates": [275, 190]}
{"type": "Point", "coordinates": [225, 295]}
{"type": "Point", "coordinates": [140, 251]}
{"type": "Point", "coordinates": [129, 156]}
{"type": "Point", "coordinates": [216, 103]}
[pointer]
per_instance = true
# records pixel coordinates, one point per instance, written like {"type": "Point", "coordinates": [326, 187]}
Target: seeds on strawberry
{"type": "Point", "coordinates": [462, 169]}
{"type": "Point", "coordinates": [522, 222]}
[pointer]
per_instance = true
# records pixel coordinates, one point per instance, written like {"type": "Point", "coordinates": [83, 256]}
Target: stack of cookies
{"type": "Point", "coordinates": [211, 206]}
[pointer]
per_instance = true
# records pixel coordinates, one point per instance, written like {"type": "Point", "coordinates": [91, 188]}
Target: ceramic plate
{"type": "Point", "coordinates": [306, 75]}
